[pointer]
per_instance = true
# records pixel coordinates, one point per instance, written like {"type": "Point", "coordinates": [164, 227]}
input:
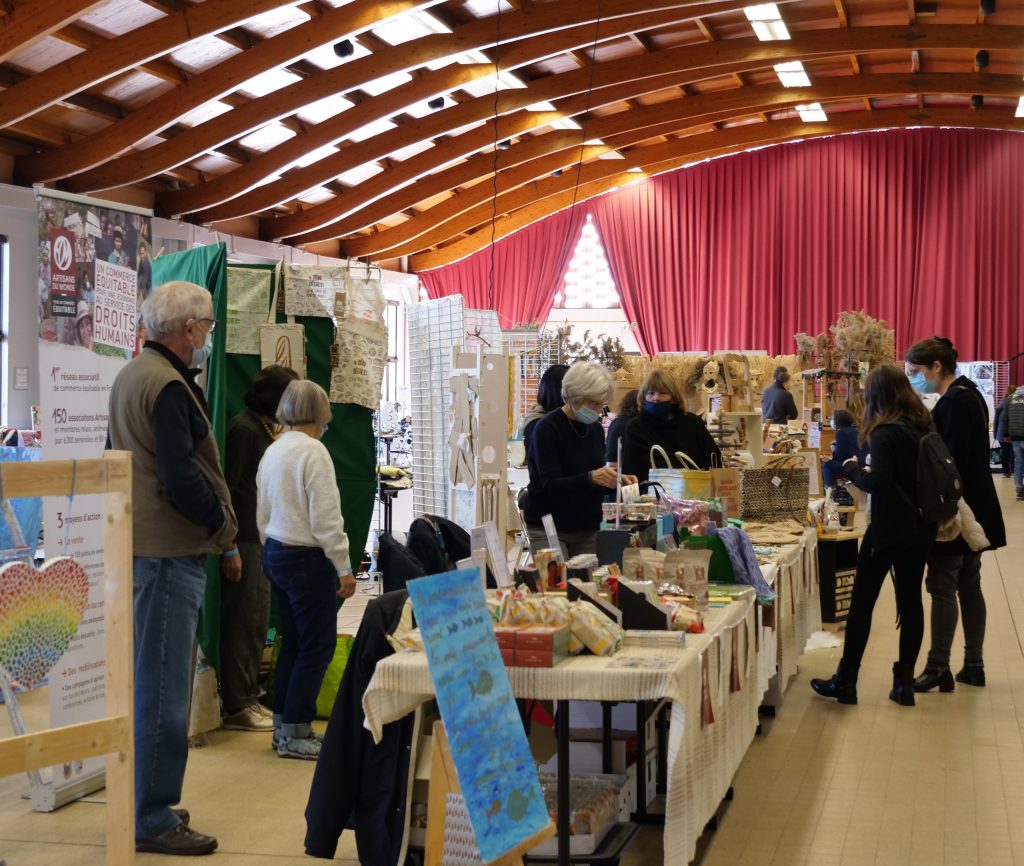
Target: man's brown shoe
{"type": "Point", "coordinates": [181, 841]}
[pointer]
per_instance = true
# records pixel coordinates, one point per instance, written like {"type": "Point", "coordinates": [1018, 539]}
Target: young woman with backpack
{"type": "Point", "coordinates": [954, 570]}
{"type": "Point", "coordinates": [897, 538]}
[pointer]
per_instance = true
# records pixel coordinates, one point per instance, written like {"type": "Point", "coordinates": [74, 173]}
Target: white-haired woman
{"type": "Point", "coordinates": [568, 478]}
{"type": "Point", "coordinates": [306, 557]}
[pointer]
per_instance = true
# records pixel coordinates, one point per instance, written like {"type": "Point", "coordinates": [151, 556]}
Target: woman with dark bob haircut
{"type": "Point", "coordinates": [954, 570]}
{"type": "Point", "coordinates": [895, 421]}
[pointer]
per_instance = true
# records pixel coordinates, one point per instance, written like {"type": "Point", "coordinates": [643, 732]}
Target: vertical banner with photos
{"type": "Point", "coordinates": [95, 269]}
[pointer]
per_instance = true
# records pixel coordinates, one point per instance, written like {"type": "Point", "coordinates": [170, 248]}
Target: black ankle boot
{"type": "Point", "coordinates": [902, 684]}
{"type": "Point", "coordinates": [973, 674]}
{"type": "Point", "coordinates": [842, 685]}
{"type": "Point", "coordinates": [932, 677]}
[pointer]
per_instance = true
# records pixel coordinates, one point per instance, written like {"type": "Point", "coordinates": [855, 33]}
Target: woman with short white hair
{"type": "Point", "coordinates": [568, 478]}
{"type": "Point", "coordinates": [306, 558]}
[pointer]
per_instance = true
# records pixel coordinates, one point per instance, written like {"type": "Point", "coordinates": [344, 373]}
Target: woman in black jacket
{"type": "Point", "coordinates": [628, 410]}
{"type": "Point", "coordinates": [954, 570]}
{"type": "Point", "coordinates": [895, 421]}
{"type": "Point", "coordinates": [664, 421]}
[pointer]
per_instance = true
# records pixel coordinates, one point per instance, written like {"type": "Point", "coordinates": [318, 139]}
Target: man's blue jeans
{"type": "Point", "coordinates": [168, 592]}
{"type": "Point", "coordinates": [305, 583]}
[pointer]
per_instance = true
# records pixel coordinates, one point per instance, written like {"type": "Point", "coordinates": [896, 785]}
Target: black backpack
{"type": "Point", "coordinates": [939, 487]}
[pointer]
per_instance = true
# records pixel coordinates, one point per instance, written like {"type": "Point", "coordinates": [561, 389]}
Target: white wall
{"type": "Point", "coordinates": [21, 304]}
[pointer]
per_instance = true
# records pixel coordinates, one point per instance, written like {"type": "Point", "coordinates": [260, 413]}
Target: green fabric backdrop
{"type": "Point", "coordinates": [349, 439]}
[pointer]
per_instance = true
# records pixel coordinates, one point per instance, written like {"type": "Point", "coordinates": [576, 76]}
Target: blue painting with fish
{"type": "Point", "coordinates": [485, 733]}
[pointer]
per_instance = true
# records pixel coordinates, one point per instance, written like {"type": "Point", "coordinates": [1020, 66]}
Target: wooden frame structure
{"type": "Point", "coordinates": [110, 476]}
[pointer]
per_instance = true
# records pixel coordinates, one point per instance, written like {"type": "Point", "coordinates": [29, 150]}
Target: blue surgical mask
{"type": "Point", "coordinates": [921, 384]}
{"type": "Point", "coordinates": [586, 415]}
{"type": "Point", "coordinates": [663, 411]}
{"type": "Point", "coordinates": [199, 356]}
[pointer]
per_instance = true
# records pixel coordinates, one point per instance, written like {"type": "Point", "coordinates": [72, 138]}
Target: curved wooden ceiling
{"type": "Point", "coordinates": [594, 94]}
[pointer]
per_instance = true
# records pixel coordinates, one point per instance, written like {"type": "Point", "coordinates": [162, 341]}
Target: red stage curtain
{"type": "Point", "coordinates": [528, 269]}
{"type": "Point", "coordinates": [922, 228]}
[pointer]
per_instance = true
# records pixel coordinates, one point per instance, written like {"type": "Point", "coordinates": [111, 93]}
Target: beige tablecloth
{"type": "Point", "coordinates": [702, 758]}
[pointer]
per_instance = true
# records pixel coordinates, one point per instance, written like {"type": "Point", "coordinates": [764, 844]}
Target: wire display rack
{"type": "Point", "coordinates": [532, 353]}
{"type": "Point", "coordinates": [434, 328]}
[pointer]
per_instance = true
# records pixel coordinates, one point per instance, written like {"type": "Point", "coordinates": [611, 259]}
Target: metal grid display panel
{"type": "Point", "coordinates": [434, 328]}
{"type": "Point", "coordinates": [533, 353]}
{"type": "Point", "coordinates": [482, 330]}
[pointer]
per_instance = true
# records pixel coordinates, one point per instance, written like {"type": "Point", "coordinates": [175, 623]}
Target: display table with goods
{"type": "Point", "coordinates": [711, 681]}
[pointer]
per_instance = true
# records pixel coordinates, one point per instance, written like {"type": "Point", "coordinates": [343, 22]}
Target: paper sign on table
{"type": "Point", "coordinates": [485, 733]}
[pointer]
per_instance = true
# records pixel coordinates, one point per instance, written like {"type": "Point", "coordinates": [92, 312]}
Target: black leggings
{"type": "Point", "coordinates": [907, 562]}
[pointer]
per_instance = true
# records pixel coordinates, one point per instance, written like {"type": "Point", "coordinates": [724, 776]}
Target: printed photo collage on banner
{"type": "Point", "coordinates": [95, 269]}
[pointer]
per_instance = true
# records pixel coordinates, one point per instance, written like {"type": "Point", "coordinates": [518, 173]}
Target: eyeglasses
{"type": "Point", "coordinates": [213, 323]}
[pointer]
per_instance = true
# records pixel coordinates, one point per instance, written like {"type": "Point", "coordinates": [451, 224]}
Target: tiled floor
{"type": "Point", "coordinates": [941, 784]}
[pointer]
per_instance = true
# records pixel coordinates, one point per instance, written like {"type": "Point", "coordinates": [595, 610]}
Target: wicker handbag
{"type": "Point", "coordinates": [775, 492]}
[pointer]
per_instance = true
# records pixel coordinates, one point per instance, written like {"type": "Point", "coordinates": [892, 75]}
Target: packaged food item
{"type": "Point", "coordinates": [506, 636]}
{"type": "Point", "coordinates": [593, 629]}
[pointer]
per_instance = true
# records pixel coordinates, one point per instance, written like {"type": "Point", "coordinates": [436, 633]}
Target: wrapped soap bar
{"type": "Point", "coordinates": [594, 630]}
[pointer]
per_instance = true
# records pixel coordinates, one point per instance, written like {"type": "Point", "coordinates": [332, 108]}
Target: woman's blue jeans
{"type": "Point", "coordinates": [305, 583]}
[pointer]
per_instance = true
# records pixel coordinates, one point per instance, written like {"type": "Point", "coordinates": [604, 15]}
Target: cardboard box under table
{"type": "Point", "coordinates": [702, 757]}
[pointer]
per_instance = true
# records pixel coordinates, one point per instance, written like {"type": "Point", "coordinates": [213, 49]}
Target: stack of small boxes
{"type": "Point", "coordinates": [539, 646]}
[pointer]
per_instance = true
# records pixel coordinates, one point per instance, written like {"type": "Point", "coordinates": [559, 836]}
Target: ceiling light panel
{"type": "Point", "coordinates": [268, 82]}
{"type": "Point", "coordinates": [317, 195]}
{"type": "Point", "coordinates": [412, 150]}
{"type": "Point", "coordinates": [486, 85]}
{"type": "Point", "coordinates": [202, 53]}
{"type": "Point", "coordinates": [360, 173]}
{"type": "Point", "coordinates": [315, 155]}
{"type": "Point", "coordinates": [465, 58]}
{"type": "Point", "coordinates": [118, 17]}
{"type": "Point", "coordinates": [413, 25]}
{"type": "Point", "coordinates": [276, 21]}
{"type": "Point", "coordinates": [1020, 108]}
{"type": "Point", "coordinates": [206, 111]}
{"type": "Point", "coordinates": [812, 113]}
{"type": "Point", "coordinates": [322, 109]}
{"type": "Point", "coordinates": [486, 8]}
{"type": "Point", "coordinates": [767, 22]}
{"type": "Point", "coordinates": [792, 74]}
{"type": "Point", "coordinates": [611, 154]}
{"type": "Point", "coordinates": [385, 83]}
{"type": "Point", "coordinates": [267, 137]}
{"type": "Point", "coordinates": [370, 130]}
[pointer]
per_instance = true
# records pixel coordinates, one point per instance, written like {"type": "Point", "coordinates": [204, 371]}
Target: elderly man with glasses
{"type": "Point", "coordinates": [181, 512]}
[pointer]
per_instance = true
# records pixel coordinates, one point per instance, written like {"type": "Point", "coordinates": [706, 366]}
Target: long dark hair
{"type": "Point", "coordinates": [266, 388]}
{"type": "Point", "coordinates": [549, 391]}
{"type": "Point", "coordinates": [924, 353]}
{"type": "Point", "coordinates": [888, 399]}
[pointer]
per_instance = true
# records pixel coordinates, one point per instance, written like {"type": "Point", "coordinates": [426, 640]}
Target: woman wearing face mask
{"type": "Point", "coordinates": [306, 557]}
{"type": "Point", "coordinates": [568, 478]}
{"type": "Point", "coordinates": [664, 421]}
{"type": "Point", "coordinates": [954, 570]}
{"type": "Point", "coordinates": [896, 540]}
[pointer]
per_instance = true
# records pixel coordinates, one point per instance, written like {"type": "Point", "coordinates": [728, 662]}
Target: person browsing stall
{"type": "Point", "coordinates": [245, 591]}
{"type": "Point", "coordinates": [954, 570]}
{"type": "Point", "coordinates": [629, 408]}
{"type": "Point", "coordinates": [306, 558]}
{"type": "Point", "coordinates": [895, 421]}
{"type": "Point", "coordinates": [549, 398]}
{"type": "Point", "coordinates": [777, 403]}
{"type": "Point", "coordinates": [846, 445]}
{"type": "Point", "coordinates": [663, 421]}
{"type": "Point", "coordinates": [568, 478]}
{"type": "Point", "coordinates": [181, 511]}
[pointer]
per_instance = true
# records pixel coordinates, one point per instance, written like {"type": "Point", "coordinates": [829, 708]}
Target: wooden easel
{"type": "Point", "coordinates": [111, 736]}
{"type": "Point", "coordinates": [445, 781]}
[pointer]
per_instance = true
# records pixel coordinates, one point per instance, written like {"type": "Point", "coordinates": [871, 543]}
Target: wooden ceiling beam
{"type": "Point", "coordinates": [155, 160]}
{"type": "Point", "coordinates": [693, 62]}
{"type": "Point", "coordinates": [844, 18]}
{"type": "Point", "coordinates": [224, 77]}
{"type": "Point", "coordinates": [211, 84]}
{"type": "Point", "coordinates": [234, 124]}
{"type": "Point", "coordinates": [661, 158]}
{"type": "Point", "coordinates": [29, 23]}
{"type": "Point", "coordinates": [124, 52]}
{"type": "Point", "coordinates": [666, 118]}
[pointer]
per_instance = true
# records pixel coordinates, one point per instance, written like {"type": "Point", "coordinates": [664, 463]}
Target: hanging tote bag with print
{"type": "Point", "coordinates": [689, 483]}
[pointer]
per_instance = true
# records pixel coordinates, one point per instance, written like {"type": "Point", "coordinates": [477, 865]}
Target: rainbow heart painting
{"type": "Point", "coordinates": [40, 611]}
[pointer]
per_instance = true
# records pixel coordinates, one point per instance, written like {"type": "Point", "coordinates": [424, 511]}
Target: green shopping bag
{"type": "Point", "coordinates": [721, 566]}
{"type": "Point", "coordinates": [332, 678]}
